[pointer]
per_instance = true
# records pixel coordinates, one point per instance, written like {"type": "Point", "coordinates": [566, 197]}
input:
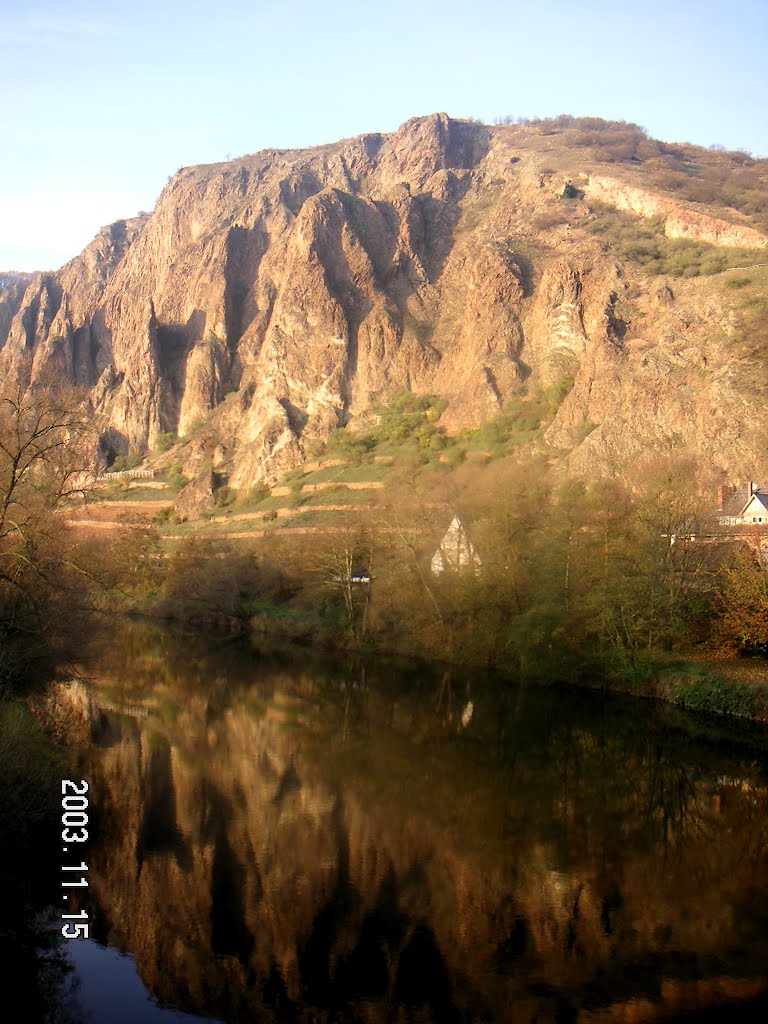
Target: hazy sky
{"type": "Point", "coordinates": [104, 99]}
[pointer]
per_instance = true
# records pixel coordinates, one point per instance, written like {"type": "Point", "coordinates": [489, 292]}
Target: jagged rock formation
{"type": "Point", "coordinates": [275, 297]}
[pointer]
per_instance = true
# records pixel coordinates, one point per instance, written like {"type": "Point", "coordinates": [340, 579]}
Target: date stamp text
{"type": "Point", "coordinates": [74, 880]}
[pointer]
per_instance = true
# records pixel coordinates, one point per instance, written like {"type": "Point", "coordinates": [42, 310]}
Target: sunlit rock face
{"type": "Point", "coordinates": [276, 841]}
{"type": "Point", "coordinates": [679, 221]}
{"type": "Point", "coordinates": [277, 296]}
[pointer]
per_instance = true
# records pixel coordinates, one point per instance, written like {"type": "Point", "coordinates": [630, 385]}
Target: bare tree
{"type": "Point", "coordinates": [44, 435]}
{"type": "Point", "coordinates": [42, 457]}
{"type": "Point", "coordinates": [344, 563]}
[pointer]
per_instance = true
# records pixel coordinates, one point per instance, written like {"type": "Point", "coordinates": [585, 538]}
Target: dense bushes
{"type": "Point", "coordinates": [125, 462]}
{"type": "Point", "coordinates": [713, 176]}
{"type": "Point", "coordinates": [410, 425]}
{"type": "Point", "coordinates": [217, 583]}
{"type": "Point", "coordinates": [707, 693]}
{"type": "Point", "coordinates": [643, 242]}
{"type": "Point", "coordinates": [164, 442]}
{"type": "Point", "coordinates": [407, 421]}
{"type": "Point", "coordinates": [573, 580]}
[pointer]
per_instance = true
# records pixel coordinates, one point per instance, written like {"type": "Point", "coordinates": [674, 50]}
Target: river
{"type": "Point", "coordinates": [282, 837]}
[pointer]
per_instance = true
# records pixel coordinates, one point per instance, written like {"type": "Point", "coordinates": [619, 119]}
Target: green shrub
{"type": "Point", "coordinates": [167, 516]}
{"type": "Point", "coordinates": [176, 478]}
{"type": "Point", "coordinates": [454, 455]}
{"type": "Point", "coordinates": [555, 394]}
{"type": "Point", "coordinates": [408, 420]}
{"type": "Point", "coordinates": [353, 446]}
{"type": "Point", "coordinates": [520, 420]}
{"type": "Point", "coordinates": [165, 442]}
{"type": "Point", "coordinates": [259, 606]}
{"type": "Point", "coordinates": [224, 496]}
{"type": "Point", "coordinates": [707, 693]}
{"type": "Point", "coordinates": [123, 462]}
{"type": "Point", "coordinates": [406, 413]}
{"type": "Point", "coordinates": [116, 488]}
{"type": "Point", "coordinates": [643, 241]}
{"type": "Point", "coordinates": [259, 492]}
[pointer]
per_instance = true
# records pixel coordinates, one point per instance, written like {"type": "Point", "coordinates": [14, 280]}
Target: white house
{"type": "Point", "coordinates": [455, 551]}
{"type": "Point", "coordinates": [743, 506]}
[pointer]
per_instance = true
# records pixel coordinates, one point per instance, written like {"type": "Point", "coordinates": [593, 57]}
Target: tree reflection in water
{"type": "Point", "coordinates": [302, 838]}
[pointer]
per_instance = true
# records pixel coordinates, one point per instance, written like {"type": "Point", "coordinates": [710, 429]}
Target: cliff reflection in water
{"type": "Point", "coordinates": [271, 839]}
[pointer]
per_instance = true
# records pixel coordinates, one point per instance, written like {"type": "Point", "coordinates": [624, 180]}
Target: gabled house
{"type": "Point", "coordinates": [455, 551]}
{"type": "Point", "coordinates": [746, 506]}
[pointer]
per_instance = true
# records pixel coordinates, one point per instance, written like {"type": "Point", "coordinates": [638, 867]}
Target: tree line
{"type": "Point", "coordinates": [575, 578]}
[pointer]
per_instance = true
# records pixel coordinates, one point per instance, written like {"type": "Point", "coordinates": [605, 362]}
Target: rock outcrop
{"type": "Point", "coordinates": [680, 220]}
{"type": "Point", "coordinates": [277, 296]}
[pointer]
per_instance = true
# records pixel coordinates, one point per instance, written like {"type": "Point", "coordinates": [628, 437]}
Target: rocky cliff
{"type": "Point", "coordinates": [272, 298]}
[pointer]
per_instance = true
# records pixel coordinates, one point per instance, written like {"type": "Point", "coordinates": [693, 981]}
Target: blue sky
{"type": "Point", "coordinates": [105, 99]}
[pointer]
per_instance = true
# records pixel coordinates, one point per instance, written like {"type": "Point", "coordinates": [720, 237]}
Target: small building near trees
{"type": "Point", "coordinates": [742, 506]}
{"type": "Point", "coordinates": [455, 552]}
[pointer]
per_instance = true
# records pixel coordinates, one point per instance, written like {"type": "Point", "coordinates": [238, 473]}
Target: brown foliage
{"type": "Point", "coordinates": [218, 583]}
{"type": "Point", "coordinates": [743, 603]}
{"type": "Point", "coordinates": [44, 438]}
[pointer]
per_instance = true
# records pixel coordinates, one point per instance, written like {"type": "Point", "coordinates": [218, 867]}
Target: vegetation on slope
{"type": "Point", "coordinates": [576, 581]}
{"type": "Point", "coordinates": [642, 241]}
{"type": "Point", "coordinates": [713, 176]}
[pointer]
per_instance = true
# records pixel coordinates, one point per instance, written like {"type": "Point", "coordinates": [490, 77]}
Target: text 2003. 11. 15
{"type": "Point", "coordinates": [74, 818]}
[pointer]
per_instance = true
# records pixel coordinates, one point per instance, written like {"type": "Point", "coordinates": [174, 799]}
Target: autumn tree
{"type": "Point", "coordinates": [637, 572]}
{"type": "Point", "coordinates": [507, 523]}
{"type": "Point", "coordinates": [343, 566]}
{"type": "Point", "coordinates": [210, 581]}
{"type": "Point", "coordinates": [471, 611]}
{"type": "Point", "coordinates": [43, 454]}
{"type": "Point", "coordinates": [672, 507]}
{"type": "Point", "coordinates": [742, 602]}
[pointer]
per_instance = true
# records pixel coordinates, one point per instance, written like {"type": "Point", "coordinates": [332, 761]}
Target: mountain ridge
{"type": "Point", "coordinates": [273, 298]}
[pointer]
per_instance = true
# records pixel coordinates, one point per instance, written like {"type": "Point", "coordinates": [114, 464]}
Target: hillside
{"type": "Point", "coordinates": [272, 299]}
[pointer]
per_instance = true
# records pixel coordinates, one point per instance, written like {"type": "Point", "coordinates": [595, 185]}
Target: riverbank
{"type": "Point", "coordinates": [714, 683]}
{"type": "Point", "coordinates": [717, 686]}
{"type": "Point", "coordinates": [281, 818]}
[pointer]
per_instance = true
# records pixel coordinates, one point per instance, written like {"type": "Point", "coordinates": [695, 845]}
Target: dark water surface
{"type": "Point", "coordinates": [278, 838]}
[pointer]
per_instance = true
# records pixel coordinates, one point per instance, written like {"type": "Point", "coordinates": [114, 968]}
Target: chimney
{"type": "Point", "coordinates": [724, 491]}
{"type": "Point", "coordinates": [752, 487]}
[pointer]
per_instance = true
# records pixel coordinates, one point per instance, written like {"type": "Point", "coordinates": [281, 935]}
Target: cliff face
{"type": "Point", "coordinates": [276, 296]}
